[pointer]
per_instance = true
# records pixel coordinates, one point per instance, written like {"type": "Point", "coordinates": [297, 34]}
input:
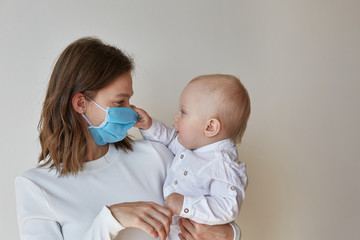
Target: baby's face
{"type": "Point", "coordinates": [191, 119]}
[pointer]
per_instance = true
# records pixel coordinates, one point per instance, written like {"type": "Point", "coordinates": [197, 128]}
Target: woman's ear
{"type": "Point", "coordinates": [78, 103]}
{"type": "Point", "coordinates": [213, 127]}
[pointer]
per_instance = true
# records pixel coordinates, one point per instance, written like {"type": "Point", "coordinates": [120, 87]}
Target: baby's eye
{"type": "Point", "coordinates": [182, 112]}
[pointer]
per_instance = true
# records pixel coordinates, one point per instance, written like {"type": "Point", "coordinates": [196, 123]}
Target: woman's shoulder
{"type": "Point", "coordinates": [152, 152]}
{"type": "Point", "coordinates": [146, 144]}
{"type": "Point", "coordinates": [151, 148]}
{"type": "Point", "coordinates": [35, 179]}
{"type": "Point", "coordinates": [39, 172]}
{"type": "Point", "coordinates": [154, 159]}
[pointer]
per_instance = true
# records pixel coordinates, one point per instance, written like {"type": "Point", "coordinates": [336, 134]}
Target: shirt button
{"type": "Point", "coordinates": [186, 210]}
{"type": "Point", "coordinates": [181, 156]}
{"type": "Point", "coordinates": [175, 182]}
{"type": "Point", "coordinates": [232, 188]}
{"type": "Point", "coordinates": [185, 173]}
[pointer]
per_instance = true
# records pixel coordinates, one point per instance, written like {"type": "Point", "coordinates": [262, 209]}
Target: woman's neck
{"type": "Point", "coordinates": [95, 151]}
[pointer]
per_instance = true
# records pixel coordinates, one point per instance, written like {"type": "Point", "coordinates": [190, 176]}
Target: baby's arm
{"type": "Point", "coordinates": [174, 202]}
{"type": "Point", "coordinates": [144, 121]}
{"type": "Point", "coordinates": [221, 206]}
{"type": "Point", "coordinates": [154, 130]}
{"type": "Point", "coordinates": [222, 202]}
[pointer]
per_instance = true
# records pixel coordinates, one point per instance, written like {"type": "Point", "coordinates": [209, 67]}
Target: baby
{"type": "Point", "coordinates": [206, 182]}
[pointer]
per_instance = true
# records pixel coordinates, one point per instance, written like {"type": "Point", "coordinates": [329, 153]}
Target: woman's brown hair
{"type": "Point", "coordinates": [86, 65]}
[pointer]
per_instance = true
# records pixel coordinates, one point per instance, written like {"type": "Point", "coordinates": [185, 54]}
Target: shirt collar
{"type": "Point", "coordinates": [217, 146]}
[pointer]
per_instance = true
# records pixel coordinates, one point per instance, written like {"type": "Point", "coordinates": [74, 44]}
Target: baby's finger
{"type": "Point", "coordinates": [138, 110]}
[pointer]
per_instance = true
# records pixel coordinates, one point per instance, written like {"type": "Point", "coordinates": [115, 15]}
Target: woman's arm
{"type": "Point", "coordinates": [148, 216]}
{"type": "Point", "coordinates": [37, 220]}
{"type": "Point", "coordinates": [191, 230]}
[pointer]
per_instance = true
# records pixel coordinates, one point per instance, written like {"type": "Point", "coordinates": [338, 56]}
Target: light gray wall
{"type": "Point", "coordinates": [299, 59]}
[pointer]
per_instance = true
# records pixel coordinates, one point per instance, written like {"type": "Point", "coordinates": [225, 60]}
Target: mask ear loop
{"type": "Point", "coordinates": [87, 120]}
{"type": "Point", "coordinates": [95, 103]}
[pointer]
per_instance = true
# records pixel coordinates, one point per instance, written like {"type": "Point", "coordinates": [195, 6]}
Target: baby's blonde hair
{"type": "Point", "coordinates": [233, 102]}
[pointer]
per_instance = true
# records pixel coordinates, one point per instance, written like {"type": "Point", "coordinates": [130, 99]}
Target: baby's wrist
{"type": "Point", "coordinates": [145, 123]}
{"type": "Point", "coordinates": [148, 123]}
{"type": "Point", "coordinates": [175, 202]}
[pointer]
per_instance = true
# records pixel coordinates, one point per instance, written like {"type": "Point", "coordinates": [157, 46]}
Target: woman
{"type": "Point", "coordinates": [94, 182]}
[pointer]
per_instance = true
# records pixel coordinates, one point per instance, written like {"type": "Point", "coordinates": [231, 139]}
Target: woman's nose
{"type": "Point", "coordinates": [127, 104]}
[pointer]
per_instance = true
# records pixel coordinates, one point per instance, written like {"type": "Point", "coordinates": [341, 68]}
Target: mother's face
{"type": "Point", "coordinates": [115, 94]}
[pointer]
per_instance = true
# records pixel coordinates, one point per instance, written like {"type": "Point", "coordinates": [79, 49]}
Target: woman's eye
{"type": "Point", "coordinates": [120, 103]}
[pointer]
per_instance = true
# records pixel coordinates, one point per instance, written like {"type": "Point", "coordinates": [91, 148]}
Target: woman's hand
{"type": "Point", "coordinates": [191, 230]}
{"type": "Point", "coordinates": [148, 216]}
{"type": "Point", "coordinates": [144, 120]}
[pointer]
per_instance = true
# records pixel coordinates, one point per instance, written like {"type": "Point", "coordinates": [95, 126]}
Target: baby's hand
{"type": "Point", "coordinates": [144, 121]}
{"type": "Point", "coordinates": [174, 202]}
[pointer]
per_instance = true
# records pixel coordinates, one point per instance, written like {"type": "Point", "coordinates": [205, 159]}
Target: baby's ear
{"type": "Point", "coordinates": [213, 127]}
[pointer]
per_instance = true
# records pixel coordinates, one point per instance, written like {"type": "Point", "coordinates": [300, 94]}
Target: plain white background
{"type": "Point", "coordinates": [299, 60]}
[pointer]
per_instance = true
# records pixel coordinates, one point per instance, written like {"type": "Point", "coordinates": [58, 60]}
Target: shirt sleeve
{"type": "Point", "coordinates": [105, 226]}
{"type": "Point", "coordinates": [160, 133]}
{"type": "Point", "coordinates": [237, 232]}
{"type": "Point", "coordinates": [226, 193]}
{"type": "Point", "coordinates": [37, 219]}
{"type": "Point", "coordinates": [221, 206]}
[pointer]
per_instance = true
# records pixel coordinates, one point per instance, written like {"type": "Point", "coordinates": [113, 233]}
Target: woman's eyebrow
{"type": "Point", "coordinates": [125, 95]}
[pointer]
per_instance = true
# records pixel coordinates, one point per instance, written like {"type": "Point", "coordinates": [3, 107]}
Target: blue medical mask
{"type": "Point", "coordinates": [117, 122]}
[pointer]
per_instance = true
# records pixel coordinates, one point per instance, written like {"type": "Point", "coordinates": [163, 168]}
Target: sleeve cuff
{"type": "Point", "coordinates": [113, 226]}
{"type": "Point", "coordinates": [148, 133]}
{"type": "Point", "coordinates": [187, 210]}
{"type": "Point", "coordinates": [104, 226]}
{"type": "Point", "coordinates": [237, 232]}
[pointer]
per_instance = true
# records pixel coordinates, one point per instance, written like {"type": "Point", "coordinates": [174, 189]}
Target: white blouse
{"type": "Point", "coordinates": [74, 207]}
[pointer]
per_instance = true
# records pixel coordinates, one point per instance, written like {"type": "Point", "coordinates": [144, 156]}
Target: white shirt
{"type": "Point", "coordinates": [74, 207]}
{"type": "Point", "coordinates": [211, 178]}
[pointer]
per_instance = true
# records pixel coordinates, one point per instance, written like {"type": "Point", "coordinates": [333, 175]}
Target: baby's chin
{"type": "Point", "coordinates": [182, 142]}
{"type": "Point", "coordinates": [186, 145]}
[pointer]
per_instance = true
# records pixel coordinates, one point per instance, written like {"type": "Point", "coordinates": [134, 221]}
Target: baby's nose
{"type": "Point", "coordinates": [176, 116]}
